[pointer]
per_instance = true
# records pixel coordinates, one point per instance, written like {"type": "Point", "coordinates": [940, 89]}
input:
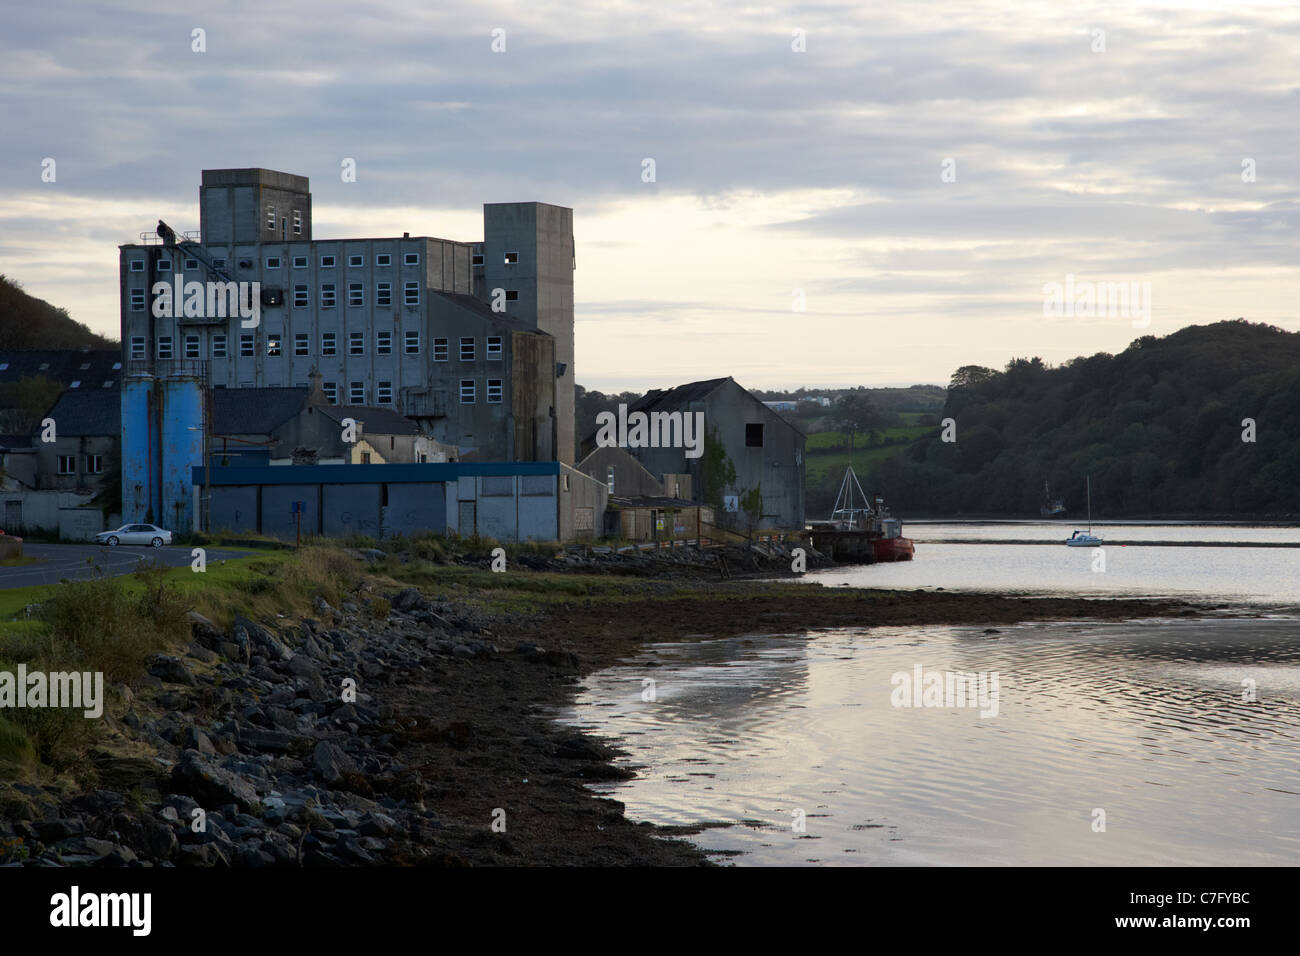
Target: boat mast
{"type": "Point", "coordinates": [848, 471]}
{"type": "Point", "coordinates": [1090, 506]}
{"type": "Point", "coordinates": [844, 501]}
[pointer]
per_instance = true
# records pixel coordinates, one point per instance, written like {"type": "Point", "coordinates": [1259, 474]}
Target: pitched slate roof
{"type": "Point", "coordinates": [374, 420]}
{"type": "Point", "coordinates": [64, 366]}
{"type": "Point", "coordinates": [670, 398]}
{"type": "Point", "coordinates": [677, 397]}
{"type": "Point", "coordinates": [81, 412]}
{"type": "Point", "coordinates": [255, 411]}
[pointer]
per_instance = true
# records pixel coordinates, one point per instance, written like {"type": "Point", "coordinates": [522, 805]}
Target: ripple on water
{"type": "Point", "coordinates": [1142, 720]}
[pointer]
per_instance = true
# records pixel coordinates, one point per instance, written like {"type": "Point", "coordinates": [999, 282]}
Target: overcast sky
{"type": "Point", "coordinates": [1110, 157]}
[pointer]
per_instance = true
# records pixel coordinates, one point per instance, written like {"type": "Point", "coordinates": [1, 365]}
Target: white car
{"type": "Point", "coordinates": [135, 534]}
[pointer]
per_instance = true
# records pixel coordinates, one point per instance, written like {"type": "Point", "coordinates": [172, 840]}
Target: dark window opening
{"type": "Point", "coordinates": [754, 436]}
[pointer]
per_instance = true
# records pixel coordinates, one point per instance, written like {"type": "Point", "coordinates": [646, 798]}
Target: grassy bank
{"type": "Point", "coordinates": [112, 626]}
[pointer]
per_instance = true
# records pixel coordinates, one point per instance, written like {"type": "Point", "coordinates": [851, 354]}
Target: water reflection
{"type": "Point", "coordinates": [1144, 720]}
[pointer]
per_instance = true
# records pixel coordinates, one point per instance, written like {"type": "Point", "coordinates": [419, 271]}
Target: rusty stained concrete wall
{"type": "Point", "coordinates": [532, 396]}
{"type": "Point", "coordinates": [541, 236]}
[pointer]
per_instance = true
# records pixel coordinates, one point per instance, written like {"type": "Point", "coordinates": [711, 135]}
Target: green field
{"type": "Point", "coordinates": [819, 465]}
{"type": "Point", "coordinates": [839, 441]}
{"type": "Point", "coordinates": [828, 455]}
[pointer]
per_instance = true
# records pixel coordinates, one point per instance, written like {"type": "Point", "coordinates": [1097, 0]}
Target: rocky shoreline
{"type": "Point", "coordinates": [255, 757]}
{"type": "Point", "coordinates": [404, 729]}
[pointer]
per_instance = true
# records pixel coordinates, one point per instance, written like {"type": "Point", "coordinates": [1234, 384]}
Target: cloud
{"type": "Point", "coordinates": [776, 170]}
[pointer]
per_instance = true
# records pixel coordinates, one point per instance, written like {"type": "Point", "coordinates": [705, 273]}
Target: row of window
{"type": "Point", "coordinates": [384, 392]}
{"type": "Point", "coordinates": [329, 345]}
{"type": "Point", "coordinates": [329, 295]}
{"type": "Point", "coordinates": [382, 260]}
{"type": "Point", "coordinates": [356, 294]}
{"type": "Point", "coordinates": [68, 464]}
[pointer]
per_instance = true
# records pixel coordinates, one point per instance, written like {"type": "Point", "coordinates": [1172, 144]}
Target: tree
{"type": "Point", "coordinates": [1166, 427]}
{"type": "Point", "coordinates": [717, 471]}
{"type": "Point", "coordinates": [24, 402]}
{"type": "Point", "coordinates": [970, 376]}
{"type": "Point", "coordinates": [27, 322]}
{"type": "Point", "coordinates": [855, 412]}
{"type": "Point", "coordinates": [751, 503]}
{"type": "Point", "coordinates": [110, 497]}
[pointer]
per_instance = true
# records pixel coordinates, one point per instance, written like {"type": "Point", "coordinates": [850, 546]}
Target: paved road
{"type": "Point", "coordinates": [77, 561]}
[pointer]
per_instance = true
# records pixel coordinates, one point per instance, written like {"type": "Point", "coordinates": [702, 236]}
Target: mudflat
{"type": "Point", "coordinates": [515, 758]}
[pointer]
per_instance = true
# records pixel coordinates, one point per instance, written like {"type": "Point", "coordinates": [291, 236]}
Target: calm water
{"type": "Point", "coordinates": [1263, 575]}
{"type": "Point", "coordinates": [1142, 719]}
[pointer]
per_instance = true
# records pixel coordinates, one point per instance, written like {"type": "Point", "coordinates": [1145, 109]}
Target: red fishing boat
{"type": "Point", "coordinates": [891, 545]}
{"type": "Point", "coordinates": [861, 532]}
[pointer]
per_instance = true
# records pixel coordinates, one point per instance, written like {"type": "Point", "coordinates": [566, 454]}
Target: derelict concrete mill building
{"type": "Point", "coordinates": [403, 322]}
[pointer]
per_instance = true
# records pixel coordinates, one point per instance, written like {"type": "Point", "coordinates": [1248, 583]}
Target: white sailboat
{"type": "Point", "coordinates": [1085, 539]}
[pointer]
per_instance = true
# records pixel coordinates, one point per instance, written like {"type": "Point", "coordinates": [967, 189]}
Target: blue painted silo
{"type": "Point", "coordinates": [182, 427]}
{"type": "Point", "coordinates": [138, 448]}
